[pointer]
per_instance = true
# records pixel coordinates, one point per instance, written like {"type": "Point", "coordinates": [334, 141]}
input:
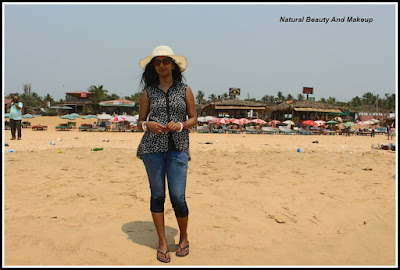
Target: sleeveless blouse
{"type": "Point", "coordinates": [163, 114]}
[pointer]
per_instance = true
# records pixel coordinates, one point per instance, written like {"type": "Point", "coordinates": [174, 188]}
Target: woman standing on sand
{"type": "Point", "coordinates": [165, 104]}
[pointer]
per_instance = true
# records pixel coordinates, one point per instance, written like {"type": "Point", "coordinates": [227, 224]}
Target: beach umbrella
{"type": "Point", "coordinates": [244, 120]}
{"type": "Point", "coordinates": [349, 124]}
{"type": "Point", "coordinates": [288, 122]}
{"type": "Point", "coordinates": [222, 121]}
{"type": "Point", "coordinates": [211, 118]}
{"type": "Point", "coordinates": [374, 120]}
{"type": "Point", "coordinates": [28, 116]}
{"type": "Point", "coordinates": [131, 119]}
{"type": "Point", "coordinates": [104, 116]}
{"type": "Point", "coordinates": [274, 122]}
{"type": "Point", "coordinates": [75, 115]}
{"type": "Point", "coordinates": [369, 122]}
{"type": "Point", "coordinates": [331, 123]}
{"type": "Point", "coordinates": [258, 121]}
{"type": "Point", "coordinates": [236, 121]}
{"type": "Point", "coordinates": [117, 119]}
{"type": "Point", "coordinates": [67, 116]}
{"type": "Point", "coordinates": [201, 119]}
{"type": "Point", "coordinates": [320, 122]}
{"type": "Point", "coordinates": [89, 116]}
{"type": "Point", "coordinates": [309, 123]}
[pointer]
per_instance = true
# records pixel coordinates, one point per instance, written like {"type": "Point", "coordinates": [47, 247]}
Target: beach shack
{"type": "Point", "coordinates": [79, 101]}
{"type": "Point", "coordinates": [235, 108]}
{"type": "Point", "coordinates": [299, 111]}
{"type": "Point", "coordinates": [118, 106]}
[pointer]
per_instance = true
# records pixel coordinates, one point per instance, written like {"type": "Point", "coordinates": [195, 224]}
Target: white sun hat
{"type": "Point", "coordinates": [163, 50]}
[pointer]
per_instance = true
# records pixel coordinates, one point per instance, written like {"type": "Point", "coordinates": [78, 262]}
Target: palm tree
{"type": "Point", "coordinates": [368, 99]}
{"type": "Point", "coordinates": [200, 97]}
{"type": "Point", "coordinates": [300, 97]}
{"type": "Point", "coordinates": [289, 97]}
{"type": "Point", "coordinates": [331, 100]}
{"type": "Point", "coordinates": [280, 96]}
{"type": "Point", "coordinates": [99, 94]}
{"type": "Point", "coordinates": [212, 98]}
{"type": "Point", "coordinates": [135, 97]}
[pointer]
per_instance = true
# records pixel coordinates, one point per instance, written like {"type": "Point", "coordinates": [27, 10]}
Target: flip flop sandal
{"type": "Point", "coordinates": [164, 260]}
{"type": "Point", "coordinates": [181, 249]}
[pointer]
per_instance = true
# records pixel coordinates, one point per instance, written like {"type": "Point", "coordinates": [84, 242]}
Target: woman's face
{"type": "Point", "coordinates": [163, 65]}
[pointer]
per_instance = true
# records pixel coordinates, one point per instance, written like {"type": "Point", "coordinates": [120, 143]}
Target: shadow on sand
{"type": "Point", "coordinates": [144, 233]}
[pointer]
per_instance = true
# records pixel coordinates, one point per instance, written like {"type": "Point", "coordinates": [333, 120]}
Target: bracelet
{"type": "Point", "coordinates": [180, 123]}
{"type": "Point", "coordinates": [144, 125]}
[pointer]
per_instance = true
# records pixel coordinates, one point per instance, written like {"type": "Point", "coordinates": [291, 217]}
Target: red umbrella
{"type": "Point", "coordinates": [236, 121]}
{"type": "Point", "coordinates": [117, 119]}
{"type": "Point", "coordinates": [274, 122]}
{"type": "Point", "coordinates": [258, 121]}
{"type": "Point", "coordinates": [221, 121]}
{"type": "Point", "coordinates": [310, 123]}
{"type": "Point", "coordinates": [244, 120]}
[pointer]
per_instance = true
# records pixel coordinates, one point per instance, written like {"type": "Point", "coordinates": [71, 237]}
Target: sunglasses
{"type": "Point", "coordinates": [165, 61]}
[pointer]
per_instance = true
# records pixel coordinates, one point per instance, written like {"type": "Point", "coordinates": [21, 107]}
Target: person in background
{"type": "Point", "coordinates": [15, 117]}
{"type": "Point", "coordinates": [388, 130]}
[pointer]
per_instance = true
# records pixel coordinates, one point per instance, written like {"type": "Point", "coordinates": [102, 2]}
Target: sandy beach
{"type": "Point", "coordinates": [253, 200]}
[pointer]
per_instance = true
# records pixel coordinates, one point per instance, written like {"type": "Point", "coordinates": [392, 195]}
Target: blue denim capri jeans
{"type": "Point", "coordinates": [172, 164]}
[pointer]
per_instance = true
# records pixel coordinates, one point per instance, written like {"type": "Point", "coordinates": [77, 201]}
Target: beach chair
{"type": "Point", "coordinates": [305, 132]}
{"type": "Point", "coordinates": [203, 129]}
{"type": "Point", "coordinates": [234, 131]}
{"type": "Point", "coordinates": [39, 127]}
{"type": "Point", "coordinates": [85, 127]}
{"type": "Point", "coordinates": [62, 127]}
{"type": "Point", "coordinates": [216, 130]}
{"type": "Point", "coordinates": [72, 124]}
{"type": "Point", "coordinates": [25, 124]}
{"type": "Point", "coordinates": [269, 130]}
{"type": "Point", "coordinates": [285, 130]}
{"type": "Point", "coordinates": [252, 131]}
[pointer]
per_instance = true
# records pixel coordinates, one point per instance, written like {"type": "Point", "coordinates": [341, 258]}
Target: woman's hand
{"type": "Point", "coordinates": [156, 127]}
{"type": "Point", "coordinates": [172, 126]}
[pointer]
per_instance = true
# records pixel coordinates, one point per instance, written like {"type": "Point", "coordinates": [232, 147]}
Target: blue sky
{"type": "Point", "coordinates": [61, 48]}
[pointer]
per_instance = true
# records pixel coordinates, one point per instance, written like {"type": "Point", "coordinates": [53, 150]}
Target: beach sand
{"type": "Point", "coordinates": [253, 200]}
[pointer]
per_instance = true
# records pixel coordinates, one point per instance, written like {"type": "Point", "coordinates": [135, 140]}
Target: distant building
{"type": "Point", "coordinates": [118, 106]}
{"type": "Point", "coordinates": [78, 100]}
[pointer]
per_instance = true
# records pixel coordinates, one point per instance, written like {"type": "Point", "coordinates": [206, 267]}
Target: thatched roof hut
{"type": "Point", "coordinates": [235, 108]}
{"type": "Point", "coordinates": [301, 110]}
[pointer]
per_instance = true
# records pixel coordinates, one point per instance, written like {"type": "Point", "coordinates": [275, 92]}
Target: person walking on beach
{"type": "Point", "coordinates": [15, 117]}
{"type": "Point", "coordinates": [167, 111]}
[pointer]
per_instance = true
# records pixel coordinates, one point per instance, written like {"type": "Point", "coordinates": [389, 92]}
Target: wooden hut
{"type": "Point", "coordinates": [305, 110]}
{"type": "Point", "coordinates": [235, 108]}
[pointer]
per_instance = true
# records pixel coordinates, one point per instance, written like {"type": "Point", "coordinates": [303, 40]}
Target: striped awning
{"type": "Point", "coordinates": [317, 110]}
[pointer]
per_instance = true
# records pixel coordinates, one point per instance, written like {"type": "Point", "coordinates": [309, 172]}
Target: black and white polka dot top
{"type": "Point", "coordinates": [158, 112]}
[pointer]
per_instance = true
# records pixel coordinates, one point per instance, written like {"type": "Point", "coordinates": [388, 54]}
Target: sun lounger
{"type": "Point", "coordinates": [203, 129]}
{"type": "Point", "coordinates": [25, 124]}
{"type": "Point", "coordinates": [305, 132]}
{"type": "Point", "coordinates": [252, 131]}
{"type": "Point", "coordinates": [63, 127]}
{"type": "Point", "coordinates": [39, 127]}
{"type": "Point", "coordinates": [269, 130]}
{"type": "Point", "coordinates": [215, 130]}
{"type": "Point", "coordinates": [234, 131]}
{"type": "Point", "coordinates": [286, 131]}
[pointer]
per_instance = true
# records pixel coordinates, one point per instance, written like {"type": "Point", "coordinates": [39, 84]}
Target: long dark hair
{"type": "Point", "coordinates": [150, 76]}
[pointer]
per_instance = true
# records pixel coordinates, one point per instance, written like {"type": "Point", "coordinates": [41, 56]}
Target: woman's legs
{"type": "Point", "coordinates": [155, 167]}
{"type": "Point", "coordinates": [176, 167]}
